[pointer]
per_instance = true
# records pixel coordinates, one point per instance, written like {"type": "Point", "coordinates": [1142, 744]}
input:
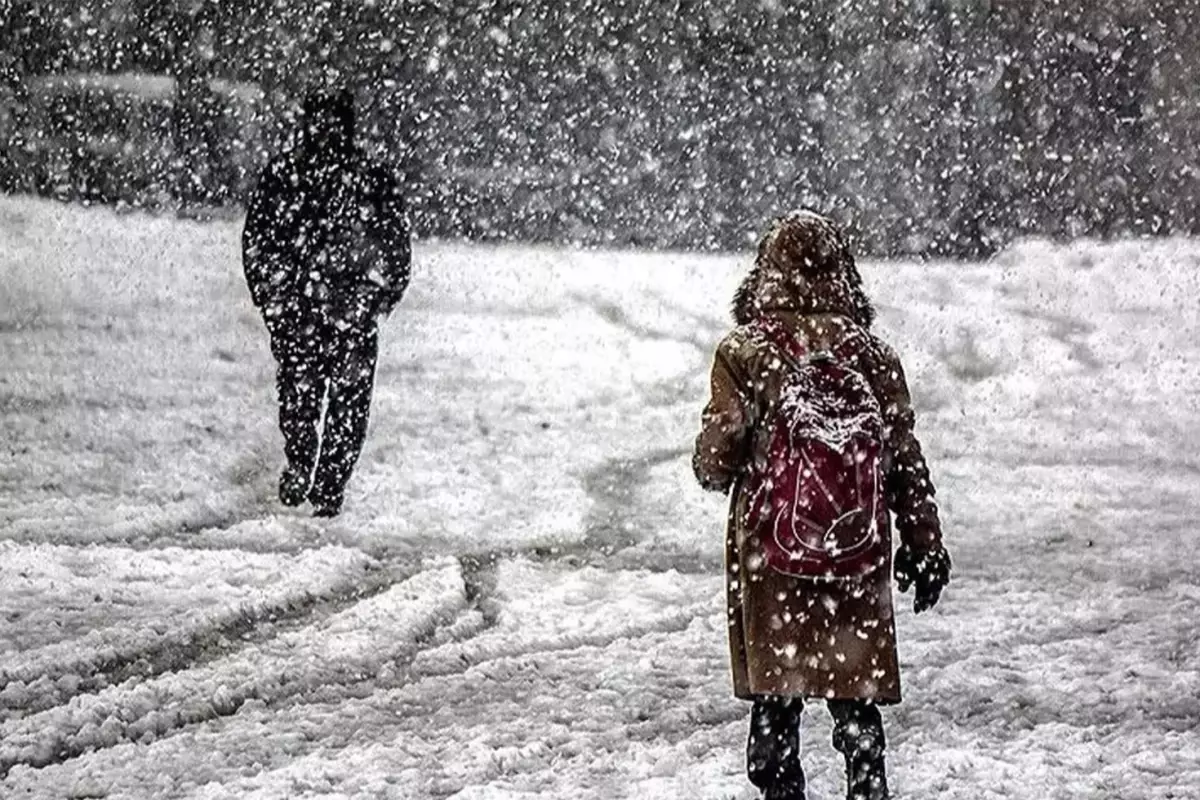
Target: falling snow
{"type": "Point", "coordinates": [512, 586]}
{"type": "Point", "coordinates": [572, 641]}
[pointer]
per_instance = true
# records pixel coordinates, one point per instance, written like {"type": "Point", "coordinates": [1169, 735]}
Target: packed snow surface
{"type": "Point", "coordinates": [523, 597]}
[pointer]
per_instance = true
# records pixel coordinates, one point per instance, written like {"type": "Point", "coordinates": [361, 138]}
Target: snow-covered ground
{"type": "Point", "coordinates": [523, 596]}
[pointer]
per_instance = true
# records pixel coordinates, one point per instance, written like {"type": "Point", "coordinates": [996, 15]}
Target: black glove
{"type": "Point", "coordinates": [929, 572]}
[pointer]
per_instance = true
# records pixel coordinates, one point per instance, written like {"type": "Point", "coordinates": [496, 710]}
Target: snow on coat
{"type": "Point", "coordinates": [793, 636]}
{"type": "Point", "coordinates": [327, 231]}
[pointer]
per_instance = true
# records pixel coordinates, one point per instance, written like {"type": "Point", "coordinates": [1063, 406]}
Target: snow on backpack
{"type": "Point", "coordinates": [817, 503]}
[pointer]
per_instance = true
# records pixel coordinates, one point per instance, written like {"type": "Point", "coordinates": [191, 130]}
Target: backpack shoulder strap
{"type": "Point", "coordinates": [849, 346]}
{"type": "Point", "coordinates": [783, 343]}
{"type": "Point", "coordinates": [795, 352]}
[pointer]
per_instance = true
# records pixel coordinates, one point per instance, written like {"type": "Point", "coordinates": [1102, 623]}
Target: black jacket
{"type": "Point", "coordinates": [329, 238]}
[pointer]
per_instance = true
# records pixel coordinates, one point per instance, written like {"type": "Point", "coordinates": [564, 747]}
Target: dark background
{"type": "Point", "coordinates": [942, 127]}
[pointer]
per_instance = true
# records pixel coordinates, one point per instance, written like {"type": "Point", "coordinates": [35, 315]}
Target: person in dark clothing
{"type": "Point", "coordinates": [326, 250]}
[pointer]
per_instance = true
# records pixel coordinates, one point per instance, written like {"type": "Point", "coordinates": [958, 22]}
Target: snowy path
{"type": "Point", "coordinates": [523, 597]}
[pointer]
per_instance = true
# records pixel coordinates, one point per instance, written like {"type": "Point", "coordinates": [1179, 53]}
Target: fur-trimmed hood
{"type": "Point", "coordinates": [804, 266]}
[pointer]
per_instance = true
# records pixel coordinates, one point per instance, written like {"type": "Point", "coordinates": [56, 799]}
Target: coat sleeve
{"type": "Point", "coordinates": [390, 271]}
{"type": "Point", "coordinates": [266, 255]}
{"type": "Point", "coordinates": [910, 491]}
{"type": "Point", "coordinates": [722, 450]}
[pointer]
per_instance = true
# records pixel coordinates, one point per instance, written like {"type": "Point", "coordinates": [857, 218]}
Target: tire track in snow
{"type": "Point", "coordinates": [459, 657]}
{"type": "Point", "coordinates": [490, 662]}
{"type": "Point", "coordinates": [611, 528]}
{"type": "Point", "coordinates": [624, 558]}
{"type": "Point", "coordinates": [53, 675]}
{"type": "Point", "coordinates": [247, 494]}
{"type": "Point", "coordinates": [1071, 332]}
{"type": "Point", "coordinates": [612, 523]}
{"type": "Point", "coordinates": [523, 751]}
{"type": "Point", "coordinates": [618, 317]}
{"type": "Point", "coordinates": [615, 522]}
{"type": "Point", "coordinates": [40, 679]}
{"type": "Point", "coordinates": [348, 647]}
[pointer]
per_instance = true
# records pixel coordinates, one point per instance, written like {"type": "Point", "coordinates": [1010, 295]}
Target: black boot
{"type": "Point", "coordinates": [773, 749]}
{"type": "Point", "coordinates": [326, 506]}
{"type": "Point", "coordinates": [866, 779]}
{"type": "Point", "coordinates": [858, 735]}
{"type": "Point", "coordinates": [293, 487]}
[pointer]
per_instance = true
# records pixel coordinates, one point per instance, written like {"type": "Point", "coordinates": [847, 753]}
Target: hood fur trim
{"type": "Point", "coordinates": [804, 265]}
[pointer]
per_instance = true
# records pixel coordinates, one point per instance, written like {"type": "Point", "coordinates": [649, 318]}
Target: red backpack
{"type": "Point", "coordinates": [817, 504]}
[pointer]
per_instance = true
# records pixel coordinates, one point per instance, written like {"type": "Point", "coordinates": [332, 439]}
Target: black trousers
{"type": "Point", "coordinates": [325, 377]}
{"type": "Point", "coordinates": [773, 750]}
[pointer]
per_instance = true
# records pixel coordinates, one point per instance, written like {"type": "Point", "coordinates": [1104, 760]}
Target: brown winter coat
{"type": "Point", "coordinates": [789, 636]}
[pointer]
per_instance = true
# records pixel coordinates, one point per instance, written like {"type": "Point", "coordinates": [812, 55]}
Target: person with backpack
{"type": "Point", "coordinates": [810, 431]}
{"type": "Point", "coordinates": [326, 251]}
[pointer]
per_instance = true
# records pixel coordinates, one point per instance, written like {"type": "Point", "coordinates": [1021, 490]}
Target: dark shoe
{"type": "Point", "coordinates": [866, 780]}
{"type": "Point", "coordinates": [858, 735]}
{"type": "Point", "coordinates": [785, 793]}
{"type": "Point", "coordinates": [293, 487]}
{"type": "Point", "coordinates": [327, 508]}
{"type": "Point", "coordinates": [773, 749]}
